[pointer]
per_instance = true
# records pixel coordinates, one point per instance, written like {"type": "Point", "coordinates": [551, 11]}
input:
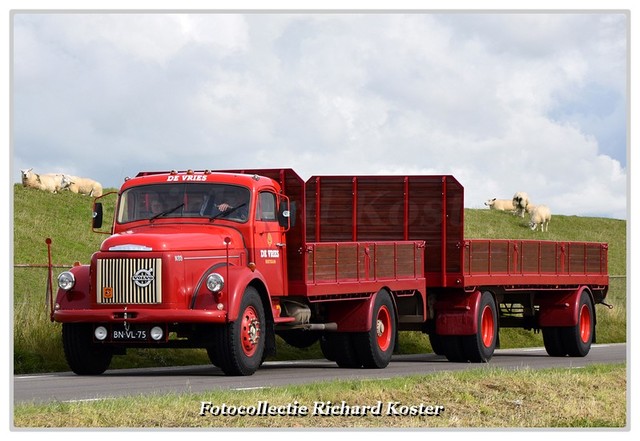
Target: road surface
{"type": "Point", "coordinates": [68, 387]}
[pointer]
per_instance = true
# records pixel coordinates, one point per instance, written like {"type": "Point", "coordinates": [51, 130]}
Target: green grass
{"type": "Point", "coordinates": [592, 397]}
{"type": "Point", "coordinates": [65, 218]}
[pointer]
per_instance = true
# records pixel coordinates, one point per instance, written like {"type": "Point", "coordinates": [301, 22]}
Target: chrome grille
{"type": "Point", "coordinates": [130, 281]}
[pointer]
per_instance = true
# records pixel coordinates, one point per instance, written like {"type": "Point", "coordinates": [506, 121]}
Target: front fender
{"type": "Point", "coordinates": [238, 280]}
{"type": "Point", "coordinates": [79, 297]}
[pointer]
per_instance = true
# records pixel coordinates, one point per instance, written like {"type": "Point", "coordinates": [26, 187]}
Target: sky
{"type": "Point", "coordinates": [504, 101]}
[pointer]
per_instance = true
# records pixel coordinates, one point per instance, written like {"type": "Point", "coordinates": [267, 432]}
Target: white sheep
{"type": "Point", "coordinates": [520, 203]}
{"type": "Point", "coordinates": [541, 215]}
{"type": "Point", "coordinates": [500, 204]}
{"type": "Point", "coordinates": [51, 182]}
{"type": "Point", "coordinates": [84, 186]}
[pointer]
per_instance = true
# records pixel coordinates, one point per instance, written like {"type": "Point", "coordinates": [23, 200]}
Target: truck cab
{"type": "Point", "coordinates": [188, 254]}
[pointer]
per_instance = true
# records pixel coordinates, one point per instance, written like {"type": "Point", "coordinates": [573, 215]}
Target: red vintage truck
{"type": "Point", "coordinates": [232, 259]}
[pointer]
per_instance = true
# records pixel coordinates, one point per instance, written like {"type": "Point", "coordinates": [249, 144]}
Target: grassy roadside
{"type": "Point", "coordinates": [592, 397]}
{"type": "Point", "coordinates": [65, 218]}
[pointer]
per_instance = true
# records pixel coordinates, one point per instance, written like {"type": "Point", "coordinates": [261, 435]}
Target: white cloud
{"type": "Point", "coordinates": [505, 102]}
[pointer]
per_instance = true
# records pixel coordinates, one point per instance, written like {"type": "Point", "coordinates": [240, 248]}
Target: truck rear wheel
{"type": "Point", "coordinates": [375, 347]}
{"type": "Point", "coordinates": [479, 348]}
{"type": "Point", "coordinates": [84, 357]}
{"type": "Point", "coordinates": [239, 345]}
{"type": "Point", "coordinates": [342, 349]}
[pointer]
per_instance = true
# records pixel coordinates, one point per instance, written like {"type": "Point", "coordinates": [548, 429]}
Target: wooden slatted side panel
{"type": "Point", "coordinates": [341, 262]}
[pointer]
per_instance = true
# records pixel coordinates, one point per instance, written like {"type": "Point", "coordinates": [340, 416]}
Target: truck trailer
{"type": "Point", "coordinates": [228, 260]}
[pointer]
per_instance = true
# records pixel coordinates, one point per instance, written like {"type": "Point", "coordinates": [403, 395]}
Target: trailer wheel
{"type": "Point", "coordinates": [453, 347]}
{"type": "Point", "coordinates": [84, 357]}
{"type": "Point", "coordinates": [375, 347]}
{"type": "Point", "coordinates": [577, 339]}
{"type": "Point", "coordinates": [553, 342]}
{"type": "Point", "coordinates": [239, 347]}
{"type": "Point", "coordinates": [479, 348]}
{"type": "Point", "coordinates": [437, 343]}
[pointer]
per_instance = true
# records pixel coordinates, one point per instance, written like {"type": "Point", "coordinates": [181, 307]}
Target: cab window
{"type": "Point", "coordinates": [266, 208]}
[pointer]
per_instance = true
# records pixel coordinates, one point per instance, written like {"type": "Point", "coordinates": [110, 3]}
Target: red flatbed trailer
{"type": "Point", "coordinates": [345, 260]}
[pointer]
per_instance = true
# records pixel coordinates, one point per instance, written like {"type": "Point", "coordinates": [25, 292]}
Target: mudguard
{"type": "Point", "coordinates": [354, 315]}
{"type": "Point", "coordinates": [79, 297]}
{"type": "Point", "coordinates": [235, 284]}
{"type": "Point", "coordinates": [457, 313]}
{"type": "Point", "coordinates": [559, 308]}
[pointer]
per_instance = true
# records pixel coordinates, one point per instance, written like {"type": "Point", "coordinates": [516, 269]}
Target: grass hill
{"type": "Point", "coordinates": [66, 219]}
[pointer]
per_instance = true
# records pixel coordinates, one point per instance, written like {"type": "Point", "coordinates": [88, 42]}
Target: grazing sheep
{"type": "Point", "coordinates": [84, 186]}
{"type": "Point", "coordinates": [541, 215]}
{"type": "Point", "coordinates": [51, 182]}
{"type": "Point", "coordinates": [520, 202]}
{"type": "Point", "coordinates": [500, 204]}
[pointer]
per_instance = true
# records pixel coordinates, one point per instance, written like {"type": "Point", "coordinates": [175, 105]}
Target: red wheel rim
{"type": "Point", "coordinates": [383, 328]}
{"type": "Point", "coordinates": [250, 332]}
{"type": "Point", "coordinates": [585, 324]}
{"type": "Point", "coordinates": [487, 326]}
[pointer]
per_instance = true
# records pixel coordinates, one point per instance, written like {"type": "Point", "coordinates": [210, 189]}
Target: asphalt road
{"type": "Point", "coordinates": [68, 387]}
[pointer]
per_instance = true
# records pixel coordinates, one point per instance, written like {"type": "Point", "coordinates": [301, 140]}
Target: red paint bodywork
{"type": "Point", "coordinates": [352, 237]}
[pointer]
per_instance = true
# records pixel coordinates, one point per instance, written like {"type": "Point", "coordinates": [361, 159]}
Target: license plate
{"type": "Point", "coordinates": [129, 333]}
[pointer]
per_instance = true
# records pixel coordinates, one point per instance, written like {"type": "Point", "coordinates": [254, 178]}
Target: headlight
{"type": "Point", "coordinates": [215, 282]}
{"type": "Point", "coordinates": [66, 281]}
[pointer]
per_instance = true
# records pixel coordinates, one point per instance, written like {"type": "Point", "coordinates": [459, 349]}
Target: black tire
{"type": "Point", "coordinates": [479, 348]}
{"type": "Point", "coordinates": [84, 357]}
{"type": "Point", "coordinates": [437, 343]}
{"type": "Point", "coordinates": [375, 347]}
{"type": "Point", "coordinates": [577, 339]}
{"type": "Point", "coordinates": [299, 338]}
{"type": "Point", "coordinates": [343, 349]}
{"type": "Point", "coordinates": [553, 342]}
{"type": "Point", "coordinates": [239, 345]}
{"type": "Point", "coordinates": [453, 348]}
{"type": "Point", "coordinates": [327, 348]}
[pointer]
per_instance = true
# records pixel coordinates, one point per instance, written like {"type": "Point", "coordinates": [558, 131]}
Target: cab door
{"type": "Point", "coordinates": [270, 253]}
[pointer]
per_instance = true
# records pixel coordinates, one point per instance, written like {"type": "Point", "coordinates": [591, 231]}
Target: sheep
{"type": "Point", "coordinates": [84, 186]}
{"type": "Point", "coordinates": [520, 202]}
{"type": "Point", "coordinates": [500, 204]}
{"type": "Point", "coordinates": [52, 182]}
{"type": "Point", "coordinates": [540, 216]}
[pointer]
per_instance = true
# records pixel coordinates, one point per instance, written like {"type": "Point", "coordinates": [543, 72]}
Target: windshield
{"type": "Point", "coordinates": [213, 201]}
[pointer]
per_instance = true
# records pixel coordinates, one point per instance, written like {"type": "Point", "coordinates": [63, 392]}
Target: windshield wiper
{"type": "Point", "coordinates": [226, 213]}
{"type": "Point", "coordinates": [164, 213]}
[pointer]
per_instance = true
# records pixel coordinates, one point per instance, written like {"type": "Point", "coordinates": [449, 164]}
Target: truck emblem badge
{"type": "Point", "coordinates": [143, 277]}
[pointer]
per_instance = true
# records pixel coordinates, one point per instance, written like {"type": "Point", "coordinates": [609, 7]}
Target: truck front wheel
{"type": "Point", "coordinates": [239, 346]}
{"type": "Point", "coordinates": [84, 357]}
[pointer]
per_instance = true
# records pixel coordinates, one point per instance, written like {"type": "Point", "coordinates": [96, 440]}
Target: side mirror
{"type": "Point", "coordinates": [97, 215]}
{"type": "Point", "coordinates": [287, 214]}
